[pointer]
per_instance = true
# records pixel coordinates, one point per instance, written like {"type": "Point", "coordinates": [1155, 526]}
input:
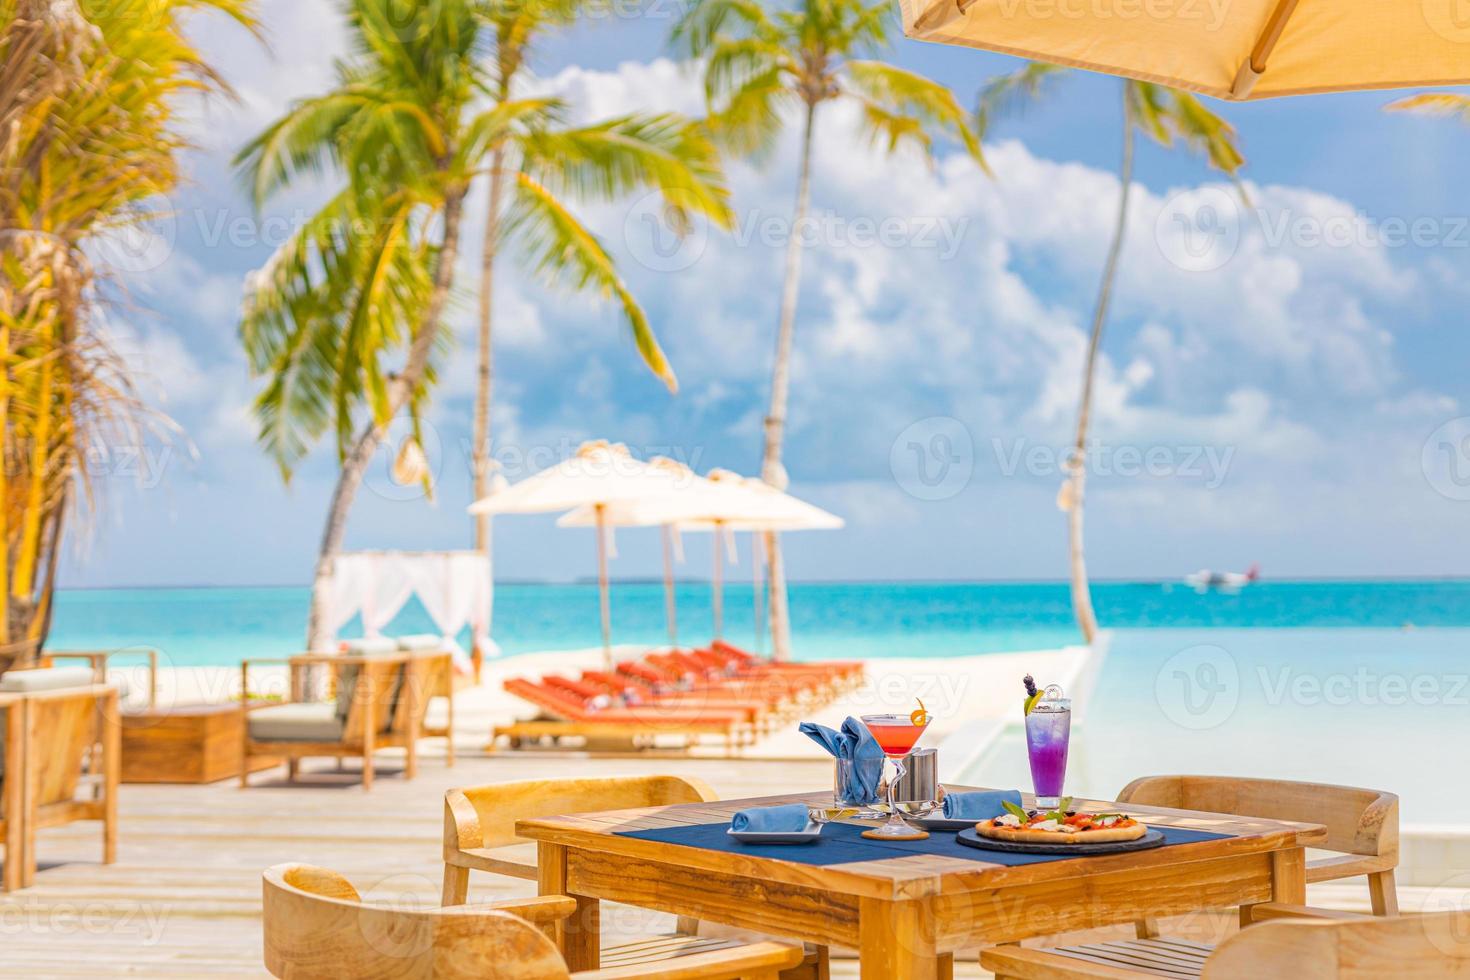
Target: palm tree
{"type": "Point", "coordinates": [760, 66]}
{"type": "Point", "coordinates": [89, 142]}
{"type": "Point", "coordinates": [1164, 115]}
{"type": "Point", "coordinates": [663, 153]}
{"type": "Point", "coordinates": [407, 131]}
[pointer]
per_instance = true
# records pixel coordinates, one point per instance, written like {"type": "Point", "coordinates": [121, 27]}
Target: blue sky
{"type": "Point", "coordinates": [1284, 379]}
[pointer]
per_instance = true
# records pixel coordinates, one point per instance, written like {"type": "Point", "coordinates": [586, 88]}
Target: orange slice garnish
{"type": "Point", "coordinates": [919, 716]}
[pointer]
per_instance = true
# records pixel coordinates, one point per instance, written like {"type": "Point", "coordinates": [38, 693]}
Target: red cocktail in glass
{"type": "Point", "coordinates": [896, 735]}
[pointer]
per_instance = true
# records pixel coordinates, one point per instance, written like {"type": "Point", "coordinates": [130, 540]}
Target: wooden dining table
{"type": "Point", "coordinates": [906, 914]}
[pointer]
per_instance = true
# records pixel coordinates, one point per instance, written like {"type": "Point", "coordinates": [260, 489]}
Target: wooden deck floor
{"type": "Point", "coordinates": [183, 898]}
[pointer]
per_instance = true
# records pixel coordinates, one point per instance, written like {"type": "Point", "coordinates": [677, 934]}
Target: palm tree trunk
{"type": "Point", "coordinates": [480, 456]}
{"type": "Point", "coordinates": [1073, 493]}
{"type": "Point", "coordinates": [361, 454]}
{"type": "Point", "coordinates": [771, 470]}
{"type": "Point", "coordinates": [790, 289]}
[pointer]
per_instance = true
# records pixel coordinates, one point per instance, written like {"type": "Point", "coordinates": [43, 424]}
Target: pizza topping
{"type": "Point", "coordinates": [1007, 820]}
{"type": "Point", "coordinates": [1044, 825]}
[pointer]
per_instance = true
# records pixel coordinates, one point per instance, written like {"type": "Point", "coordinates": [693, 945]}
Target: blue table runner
{"type": "Point", "coordinates": [843, 843]}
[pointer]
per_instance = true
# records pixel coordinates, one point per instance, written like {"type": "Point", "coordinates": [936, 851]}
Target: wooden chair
{"type": "Point", "coordinates": [381, 701]}
{"type": "Point", "coordinates": [98, 661]}
{"type": "Point", "coordinates": [439, 683]}
{"type": "Point", "coordinates": [12, 785]}
{"type": "Point", "coordinates": [480, 821]}
{"type": "Point", "coordinates": [1313, 945]}
{"type": "Point", "coordinates": [49, 736]}
{"type": "Point", "coordinates": [1362, 824]}
{"type": "Point", "coordinates": [318, 928]}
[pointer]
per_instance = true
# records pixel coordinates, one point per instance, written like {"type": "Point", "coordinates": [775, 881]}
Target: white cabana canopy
{"type": "Point", "coordinates": [453, 586]}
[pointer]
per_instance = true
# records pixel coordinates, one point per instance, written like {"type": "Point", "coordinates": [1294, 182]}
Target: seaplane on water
{"type": "Point", "coordinates": [1205, 580]}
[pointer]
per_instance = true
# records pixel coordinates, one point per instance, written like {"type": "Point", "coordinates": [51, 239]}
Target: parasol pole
{"type": "Point", "coordinates": [668, 536]}
{"type": "Point", "coordinates": [719, 582]}
{"type": "Point", "coordinates": [755, 588]}
{"type": "Point", "coordinates": [601, 511]}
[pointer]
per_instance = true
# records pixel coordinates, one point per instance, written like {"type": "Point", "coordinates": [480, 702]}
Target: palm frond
{"type": "Point", "coordinates": [607, 160]}
{"type": "Point", "coordinates": [1007, 93]}
{"type": "Point", "coordinates": [1434, 104]}
{"type": "Point", "coordinates": [904, 107]}
{"type": "Point", "coordinates": [706, 22]}
{"type": "Point", "coordinates": [564, 253]}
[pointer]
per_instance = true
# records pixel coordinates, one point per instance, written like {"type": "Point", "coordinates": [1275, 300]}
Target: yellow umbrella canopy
{"type": "Point", "coordinates": [1231, 49]}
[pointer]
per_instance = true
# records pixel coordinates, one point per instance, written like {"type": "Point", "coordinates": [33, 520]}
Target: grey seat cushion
{"type": "Point", "coordinates": [421, 642]}
{"type": "Point", "coordinates": [347, 690]}
{"type": "Point", "coordinates": [45, 679]}
{"type": "Point", "coordinates": [314, 721]}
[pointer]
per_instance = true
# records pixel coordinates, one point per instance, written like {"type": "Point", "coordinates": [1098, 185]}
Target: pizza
{"type": "Point", "coordinates": [1061, 827]}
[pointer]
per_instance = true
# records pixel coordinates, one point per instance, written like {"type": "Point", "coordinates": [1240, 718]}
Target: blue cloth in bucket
{"type": "Point", "coordinates": [979, 805]}
{"type": "Point", "coordinates": [856, 744]}
{"type": "Point", "coordinates": [789, 819]}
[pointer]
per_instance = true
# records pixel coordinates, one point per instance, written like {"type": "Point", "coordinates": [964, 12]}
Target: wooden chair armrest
{"type": "Point", "coordinates": [1281, 910]}
{"type": "Point", "coordinates": [462, 829]}
{"type": "Point", "coordinates": [537, 911]}
{"type": "Point", "coordinates": [1016, 963]}
{"type": "Point", "coordinates": [756, 959]}
{"type": "Point", "coordinates": [348, 659]}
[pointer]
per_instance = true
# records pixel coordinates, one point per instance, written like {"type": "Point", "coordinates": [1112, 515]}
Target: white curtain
{"type": "Point", "coordinates": [454, 588]}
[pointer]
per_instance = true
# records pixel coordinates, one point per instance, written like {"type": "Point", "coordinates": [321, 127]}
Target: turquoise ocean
{"type": "Point", "coordinates": [197, 626]}
{"type": "Point", "coordinates": [1318, 680]}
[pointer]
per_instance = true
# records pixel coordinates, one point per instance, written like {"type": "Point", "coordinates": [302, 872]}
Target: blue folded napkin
{"type": "Point", "coordinates": [979, 805]}
{"type": "Point", "coordinates": [788, 819]}
{"type": "Point", "coordinates": [857, 745]}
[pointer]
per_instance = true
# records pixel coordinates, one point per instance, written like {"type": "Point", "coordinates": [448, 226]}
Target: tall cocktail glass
{"type": "Point", "coordinates": [1048, 732]}
{"type": "Point", "coordinates": [896, 735]}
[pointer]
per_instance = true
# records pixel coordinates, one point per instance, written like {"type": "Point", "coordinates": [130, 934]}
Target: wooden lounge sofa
{"type": "Point", "coordinates": [564, 714]}
{"type": "Point", "coordinates": [1304, 944]}
{"type": "Point", "coordinates": [1362, 824]}
{"type": "Point", "coordinates": [55, 722]}
{"type": "Point", "coordinates": [479, 828]}
{"type": "Point", "coordinates": [381, 701]}
{"type": "Point", "coordinates": [318, 927]}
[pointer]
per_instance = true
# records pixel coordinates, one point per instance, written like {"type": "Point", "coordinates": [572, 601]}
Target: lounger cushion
{"type": "Point", "coordinates": [421, 641]}
{"type": "Point", "coordinates": [369, 645]}
{"type": "Point", "coordinates": [45, 679]}
{"type": "Point", "coordinates": [314, 721]}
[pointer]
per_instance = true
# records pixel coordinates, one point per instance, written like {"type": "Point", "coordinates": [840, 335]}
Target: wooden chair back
{"type": "Point", "coordinates": [385, 690]}
{"type": "Point", "coordinates": [485, 816]}
{"type": "Point", "coordinates": [1405, 948]}
{"type": "Point", "coordinates": [62, 728]}
{"type": "Point", "coordinates": [435, 673]}
{"type": "Point", "coordinates": [1358, 821]}
{"type": "Point", "coordinates": [317, 926]}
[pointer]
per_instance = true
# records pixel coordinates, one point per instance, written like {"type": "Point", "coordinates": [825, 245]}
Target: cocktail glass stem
{"type": "Point", "coordinates": [896, 823]}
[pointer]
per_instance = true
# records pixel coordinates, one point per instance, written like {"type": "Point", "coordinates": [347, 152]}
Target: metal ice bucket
{"type": "Point", "coordinates": [918, 790]}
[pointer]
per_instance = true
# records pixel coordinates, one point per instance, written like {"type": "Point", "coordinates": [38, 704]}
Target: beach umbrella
{"type": "Point", "coordinates": [1245, 49]}
{"type": "Point", "coordinates": [599, 476]}
{"type": "Point", "coordinates": [720, 503]}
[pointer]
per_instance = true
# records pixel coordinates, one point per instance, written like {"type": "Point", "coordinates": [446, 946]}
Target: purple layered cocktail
{"type": "Point", "coordinates": [1048, 732]}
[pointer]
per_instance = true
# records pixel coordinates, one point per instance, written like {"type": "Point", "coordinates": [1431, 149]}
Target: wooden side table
{"type": "Point", "coordinates": [187, 743]}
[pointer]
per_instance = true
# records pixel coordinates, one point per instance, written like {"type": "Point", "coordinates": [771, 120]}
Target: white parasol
{"type": "Point", "coordinates": [722, 502]}
{"type": "Point", "coordinates": [599, 476]}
